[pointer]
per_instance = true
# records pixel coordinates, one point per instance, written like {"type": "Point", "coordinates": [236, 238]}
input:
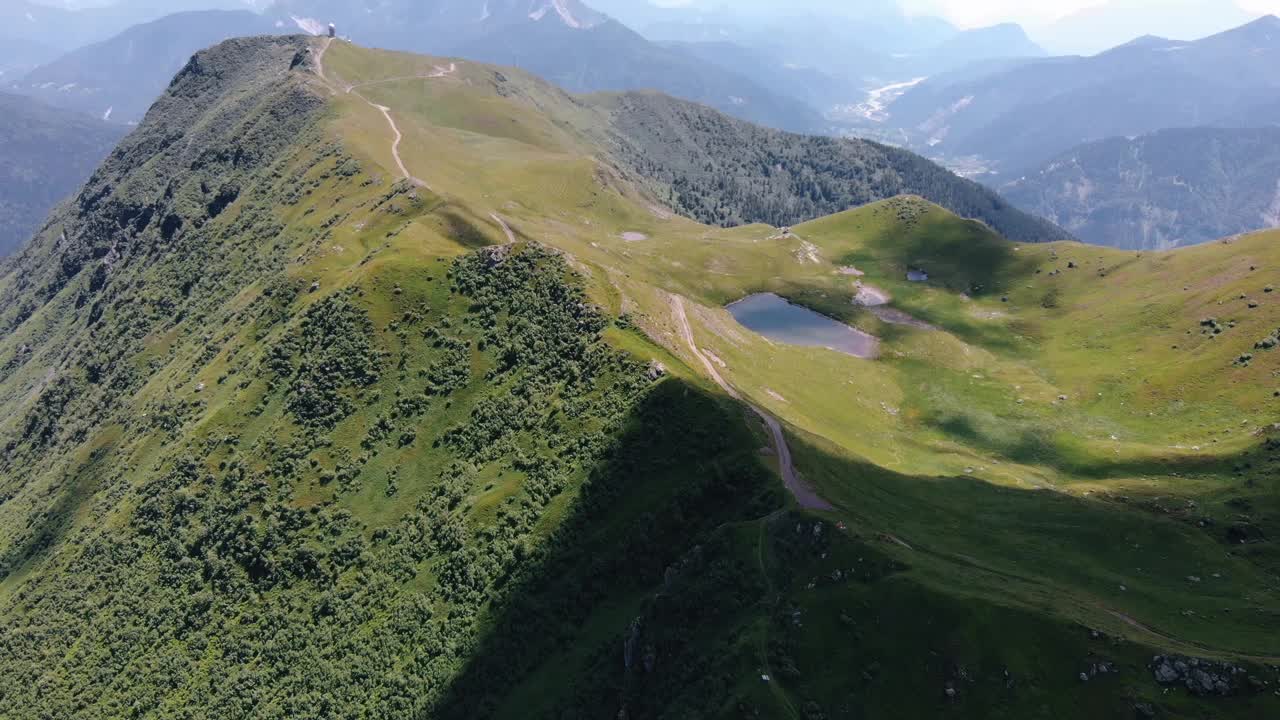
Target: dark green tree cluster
{"type": "Point", "coordinates": [211, 589]}
{"type": "Point", "coordinates": [726, 172]}
{"type": "Point", "coordinates": [329, 355]}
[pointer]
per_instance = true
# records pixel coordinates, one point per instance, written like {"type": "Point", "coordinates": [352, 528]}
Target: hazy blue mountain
{"type": "Point", "coordinates": [46, 153]}
{"type": "Point", "coordinates": [1021, 117]}
{"type": "Point", "coordinates": [980, 45]}
{"type": "Point", "coordinates": [119, 78]}
{"type": "Point", "coordinates": [1169, 188]}
{"type": "Point", "coordinates": [63, 29]}
{"type": "Point", "coordinates": [565, 41]}
{"type": "Point", "coordinates": [18, 55]}
{"type": "Point", "coordinates": [808, 85]}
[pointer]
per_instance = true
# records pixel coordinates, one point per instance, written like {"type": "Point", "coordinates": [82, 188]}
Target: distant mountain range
{"type": "Point", "coordinates": [774, 67]}
{"type": "Point", "coordinates": [45, 154]}
{"type": "Point", "coordinates": [1170, 188]}
{"type": "Point", "coordinates": [63, 30]}
{"type": "Point", "coordinates": [1020, 117]}
{"type": "Point", "coordinates": [564, 41]}
{"type": "Point", "coordinates": [118, 79]}
{"type": "Point", "coordinates": [862, 48]}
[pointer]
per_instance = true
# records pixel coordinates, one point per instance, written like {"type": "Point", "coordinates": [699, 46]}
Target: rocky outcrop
{"type": "Point", "coordinates": [1204, 677]}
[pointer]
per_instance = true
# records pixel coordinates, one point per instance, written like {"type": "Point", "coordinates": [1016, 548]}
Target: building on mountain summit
{"type": "Point", "coordinates": [333, 30]}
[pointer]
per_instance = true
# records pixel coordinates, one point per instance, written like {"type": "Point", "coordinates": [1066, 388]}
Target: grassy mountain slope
{"type": "Point", "coordinates": [45, 154]}
{"type": "Point", "coordinates": [1174, 187]}
{"type": "Point", "coordinates": [287, 436]}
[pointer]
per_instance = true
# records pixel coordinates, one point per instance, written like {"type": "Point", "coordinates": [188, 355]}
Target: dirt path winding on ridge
{"type": "Point", "coordinates": [805, 495]}
{"type": "Point", "coordinates": [386, 111]}
{"type": "Point", "coordinates": [395, 144]}
{"type": "Point", "coordinates": [506, 229]}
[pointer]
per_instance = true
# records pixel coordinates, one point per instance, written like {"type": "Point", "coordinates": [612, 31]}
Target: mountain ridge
{"type": "Point", "coordinates": [287, 433]}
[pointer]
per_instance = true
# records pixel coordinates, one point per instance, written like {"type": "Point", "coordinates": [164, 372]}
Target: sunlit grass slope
{"type": "Point", "coordinates": [1066, 367]}
{"type": "Point", "coordinates": [320, 449]}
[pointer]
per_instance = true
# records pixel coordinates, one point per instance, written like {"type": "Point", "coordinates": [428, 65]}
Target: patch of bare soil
{"type": "Point", "coordinates": [894, 316]}
{"type": "Point", "coordinates": [870, 296]}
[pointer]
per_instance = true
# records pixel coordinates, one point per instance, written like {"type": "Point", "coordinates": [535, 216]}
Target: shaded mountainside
{"type": "Point", "coordinates": [725, 172]}
{"type": "Point", "coordinates": [287, 434]}
{"type": "Point", "coordinates": [1022, 117]}
{"type": "Point", "coordinates": [45, 155]}
{"type": "Point", "coordinates": [119, 78]}
{"type": "Point", "coordinates": [1170, 188]}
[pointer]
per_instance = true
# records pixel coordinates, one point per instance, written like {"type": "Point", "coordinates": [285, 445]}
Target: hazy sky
{"type": "Point", "coordinates": [1038, 12]}
{"type": "Point", "coordinates": [1032, 13]}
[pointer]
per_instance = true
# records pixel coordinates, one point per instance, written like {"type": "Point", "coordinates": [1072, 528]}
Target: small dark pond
{"type": "Point", "coordinates": [777, 319]}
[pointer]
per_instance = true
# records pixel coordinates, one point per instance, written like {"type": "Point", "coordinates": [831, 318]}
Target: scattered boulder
{"type": "Point", "coordinates": [1210, 325]}
{"type": "Point", "coordinates": [656, 371]}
